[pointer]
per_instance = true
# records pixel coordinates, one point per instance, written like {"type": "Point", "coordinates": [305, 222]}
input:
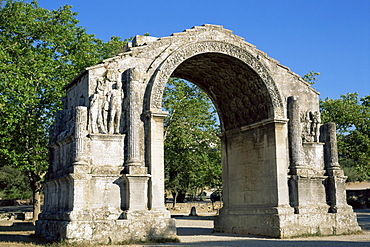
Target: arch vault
{"type": "Point", "coordinates": [281, 174]}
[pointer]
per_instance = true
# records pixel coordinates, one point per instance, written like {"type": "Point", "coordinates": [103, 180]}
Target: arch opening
{"type": "Point", "coordinates": [249, 108]}
{"type": "Point", "coordinates": [192, 150]}
{"type": "Point", "coordinates": [242, 99]}
{"type": "Point", "coordinates": [238, 93]}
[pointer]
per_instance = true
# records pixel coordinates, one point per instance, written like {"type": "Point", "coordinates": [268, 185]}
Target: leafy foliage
{"type": "Point", "coordinates": [349, 168]}
{"type": "Point", "coordinates": [352, 117]}
{"type": "Point", "coordinates": [192, 149]}
{"type": "Point", "coordinates": [14, 184]}
{"type": "Point", "coordinates": [40, 52]}
{"type": "Point", "coordinates": [311, 77]}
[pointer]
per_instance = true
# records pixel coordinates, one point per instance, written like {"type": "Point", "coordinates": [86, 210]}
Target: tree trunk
{"type": "Point", "coordinates": [181, 196]}
{"type": "Point", "coordinates": [36, 186]}
{"type": "Point", "coordinates": [36, 205]}
{"type": "Point", "coordinates": [174, 195]}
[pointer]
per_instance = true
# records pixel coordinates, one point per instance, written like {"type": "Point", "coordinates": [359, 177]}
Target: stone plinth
{"type": "Point", "coordinates": [107, 231]}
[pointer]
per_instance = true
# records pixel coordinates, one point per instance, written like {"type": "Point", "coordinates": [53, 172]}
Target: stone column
{"type": "Point", "coordinates": [330, 151]}
{"type": "Point", "coordinates": [282, 161]}
{"type": "Point", "coordinates": [80, 134]}
{"type": "Point", "coordinates": [294, 133]}
{"type": "Point", "coordinates": [136, 174]}
{"type": "Point", "coordinates": [78, 180]}
{"type": "Point", "coordinates": [295, 150]}
{"type": "Point", "coordinates": [133, 120]}
{"type": "Point", "coordinates": [225, 170]}
{"type": "Point", "coordinates": [156, 161]}
{"type": "Point", "coordinates": [335, 184]}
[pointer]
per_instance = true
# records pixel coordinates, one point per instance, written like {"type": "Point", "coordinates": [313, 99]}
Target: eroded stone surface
{"type": "Point", "coordinates": [106, 177]}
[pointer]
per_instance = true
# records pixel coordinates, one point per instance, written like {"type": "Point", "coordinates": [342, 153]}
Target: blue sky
{"type": "Point", "coordinates": [327, 36]}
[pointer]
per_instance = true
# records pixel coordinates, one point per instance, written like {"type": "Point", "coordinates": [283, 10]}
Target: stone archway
{"type": "Point", "coordinates": [209, 55]}
{"type": "Point", "coordinates": [248, 104]}
{"type": "Point", "coordinates": [280, 172]}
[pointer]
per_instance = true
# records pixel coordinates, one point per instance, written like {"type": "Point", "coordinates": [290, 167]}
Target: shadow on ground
{"type": "Point", "coordinates": [198, 231]}
{"type": "Point", "coordinates": [192, 232]}
{"type": "Point", "coordinates": [275, 243]}
{"type": "Point", "coordinates": [19, 232]}
{"type": "Point", "coordinates": [363, 218]}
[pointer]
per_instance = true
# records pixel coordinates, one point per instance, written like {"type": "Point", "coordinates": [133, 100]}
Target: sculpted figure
{"type": "Point", "coordinates": [96, 113]}
{"type": "Point", "coordinates": [115, 109]}
{"type": "Point", "coordinates": [105, 112]}
{"type": "Point", "coordinates": [306, 127]}
{"type": "Point", "coordinates": [315, 125]}
{"type": "Point", "coordinates": [311, 126]}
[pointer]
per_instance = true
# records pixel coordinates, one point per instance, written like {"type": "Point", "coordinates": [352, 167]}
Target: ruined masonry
{"type": "Point", "coordinates": [105, 183]}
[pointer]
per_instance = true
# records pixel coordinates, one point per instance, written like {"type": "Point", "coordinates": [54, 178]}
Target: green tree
{"type": "Point", "coordinates": [352, 118]}
{"type": "Point", "coordinates": [311, 77]}
{"type": "Point", "coordinates": [40, 52]}
{"type": "Point", "coordinates": [14, 184]}
{"type": "Point", "coordinates": [192, 149]}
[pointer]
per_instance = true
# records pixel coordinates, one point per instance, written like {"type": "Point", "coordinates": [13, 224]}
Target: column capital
{"type": "Point", "coordinates": [156, 113]}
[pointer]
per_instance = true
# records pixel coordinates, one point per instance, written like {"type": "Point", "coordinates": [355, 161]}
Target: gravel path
{"type": "Point", "coordinates": [197, 231]}
{"type": "Point", "coordinates": [205, 237]}
{"type": "Point", "coordinates": [358, 186]}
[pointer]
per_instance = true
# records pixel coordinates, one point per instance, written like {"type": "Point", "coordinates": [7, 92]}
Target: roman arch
{"type": "Point", "coordinates": [105, 182]}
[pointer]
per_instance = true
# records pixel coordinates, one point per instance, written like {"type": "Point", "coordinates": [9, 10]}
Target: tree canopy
{"type": "Point", "coordinates": [40, 51]}
{"type": "Point", "coordinates": [192, 148]}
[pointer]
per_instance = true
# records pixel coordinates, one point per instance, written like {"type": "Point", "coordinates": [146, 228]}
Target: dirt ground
{"type": "Point", "coordinates": [198, 231]}
{"type": "Point", "coordinates": [18, 234]}
{"type": "Point", "coordinates": [358, 186]}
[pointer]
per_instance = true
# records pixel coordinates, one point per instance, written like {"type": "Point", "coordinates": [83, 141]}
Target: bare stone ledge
{"type": "Point", "coordinates": [107, 231]}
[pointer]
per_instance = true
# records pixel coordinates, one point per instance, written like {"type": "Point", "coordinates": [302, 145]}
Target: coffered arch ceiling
{"type": "Point", "coordinates": [239, 94]}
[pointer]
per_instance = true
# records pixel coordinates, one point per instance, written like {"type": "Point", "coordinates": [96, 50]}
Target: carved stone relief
{"type": "Point", "coordinates": [310, 121]}
{"type": "Point", "coordinates": [257, 79]}
{"type": "Point", "coordinates": [106, 105]}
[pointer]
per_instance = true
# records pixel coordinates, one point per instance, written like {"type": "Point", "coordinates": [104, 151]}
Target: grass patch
{"type": "Point", "coordinates": [34, 241]}
{"type": "Point", "coordinates": [307, 235]}
{"type": "Point", "coordinates": [23, 235]}
{"type": "Point", "coordinates": [150, 241]}
{"type": "Point", "coordinates": [319, 234]}
{"type": "Point", "coordinates": [70, 244]}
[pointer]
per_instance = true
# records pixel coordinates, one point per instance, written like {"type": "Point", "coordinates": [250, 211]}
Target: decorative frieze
{"type": "Point", "coordinates": [192, 49]}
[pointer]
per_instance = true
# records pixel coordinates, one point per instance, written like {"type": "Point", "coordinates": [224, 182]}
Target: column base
{"type": "Point", "coordinates": [282, 222]}
{"type": "Point", "coordinates": [145, 214]}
